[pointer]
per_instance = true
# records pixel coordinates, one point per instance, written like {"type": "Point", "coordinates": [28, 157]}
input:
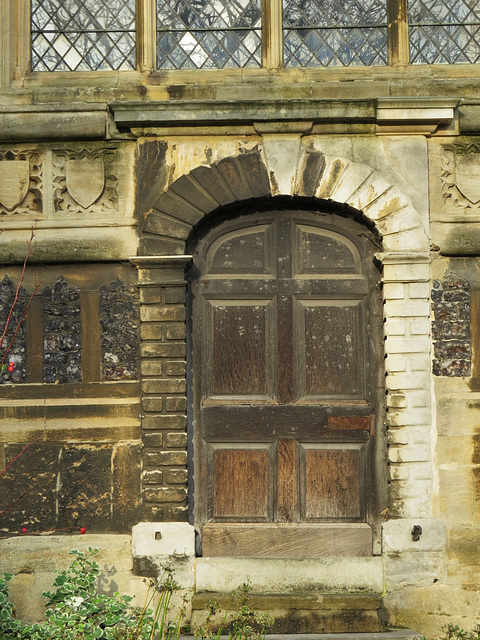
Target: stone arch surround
{"type": "Point", "coordinates": [263, 173]}
{"type": "Point", "coordinates": [253, 175]}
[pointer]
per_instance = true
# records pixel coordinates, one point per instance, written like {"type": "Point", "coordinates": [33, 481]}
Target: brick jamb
{"type": "Point", "coordinates": [161, 280]}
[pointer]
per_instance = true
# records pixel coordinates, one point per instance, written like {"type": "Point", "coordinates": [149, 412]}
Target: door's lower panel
{"type": "Point", "coordinates": [286, 540]}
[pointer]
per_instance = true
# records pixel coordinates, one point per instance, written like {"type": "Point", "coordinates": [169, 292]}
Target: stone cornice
{"type": "Point", "coordinates": [420, 116]}
{"type": "Point", "coordinates": [53, 122]}
{"type": "Point", "coordinates": [198, 112]}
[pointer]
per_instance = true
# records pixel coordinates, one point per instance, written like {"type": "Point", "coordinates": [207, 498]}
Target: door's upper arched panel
{"type": "Point", "coordinates": [320, 251]}
{"type": "Point", "coordinates": [243, 252]}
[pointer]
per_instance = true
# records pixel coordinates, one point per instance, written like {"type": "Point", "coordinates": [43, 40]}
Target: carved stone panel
{"type": "Point", "coordinates": [461, 177]}
{"type": "Point", "coordinates": [20, 182]}
{"type": "Point", "coordinates": [85, 180]}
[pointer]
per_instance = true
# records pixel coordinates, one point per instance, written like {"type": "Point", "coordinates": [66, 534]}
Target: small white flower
{"type": "Point", "coordinates": [75, 601]}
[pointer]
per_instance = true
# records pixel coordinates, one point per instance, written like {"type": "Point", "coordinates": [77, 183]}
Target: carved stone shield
{"type": "Point", "coordinates": [467, 176]}
{"type": "Point", "coordinates": [14, 182]}
{"type": "Point", "coordinates": [85, 180]}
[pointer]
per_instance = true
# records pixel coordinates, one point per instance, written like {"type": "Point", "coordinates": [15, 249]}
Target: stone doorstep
{"type": "Point", "coordinates": [295, 601]}
{"type": "Point", "coordinates": [302, 613]}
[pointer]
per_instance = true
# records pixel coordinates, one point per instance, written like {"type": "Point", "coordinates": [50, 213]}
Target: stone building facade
{"type": "Point", "coordinates": [126, 171]}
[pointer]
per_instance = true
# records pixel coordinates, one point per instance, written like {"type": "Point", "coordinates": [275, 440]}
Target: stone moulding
{"type": "Point", "coordinates": [391, 115]}
{"type": "Point", "coordinates": [32, 123]}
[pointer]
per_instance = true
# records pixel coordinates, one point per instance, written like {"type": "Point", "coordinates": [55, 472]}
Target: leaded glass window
{"type": "Point", "coordinates": [444, 31]}
{"type": "Point", "coordinates": [208, 34]}
{"type": "Point", "coordinates": [334, 32]}
{"type": "Point", "coordinates": [83, 35]}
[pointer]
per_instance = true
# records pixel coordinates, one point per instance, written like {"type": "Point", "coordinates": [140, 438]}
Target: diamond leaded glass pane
{"type": "Point", "coordinates": [83, 35]}
{"type": "Point", "coordinates": [334, 32]}
{"type": "Point", "coordinates": [208, 34]}
{"type": "Point", "coordinates": [444, 31]}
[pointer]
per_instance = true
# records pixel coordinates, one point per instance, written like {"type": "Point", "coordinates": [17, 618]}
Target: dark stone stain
{"type": "Point", "coordinates": [256, 174]}
{"type": "Point", "coordinates": [126, 480]}
{"type": "Point", "coordinates": [176, 91]}
{"type": "Point", "coordinates": [476, 450]}
{"type": "Point", "coordinates": [145, 567]}
{"type": "Point", "coordinates": [312, 172]}
{"type": "Point", "coordinates": [27, 489]}
{"type": "Point", "coordinates": [335, 173]}
{"type": "Point", "coordinates": [151, 173]}
{"type": "Point", "coordinates": [274, 182]}
{"type": "Point", "coordinates": [84, 498]}
{"type": "Point", "coordinates": [476, 484]}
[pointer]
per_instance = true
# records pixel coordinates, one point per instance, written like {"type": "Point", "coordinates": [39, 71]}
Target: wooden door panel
{"type": "Point", "coordinates": [319, 251]}
{"type": "Point", "coordinates": [243, 252]}
{"type": "Point", "coordinates": [287, 480]}
{"type": "Point", "coordinates": [331, 482]}
{"type": "Point", "coordinates": [239, 350]}
{"type": "Point", "coordinates": [330, 348]}
{"type": "Point", "coordinates": [267, 422]}
{"type": "Point", "coordinates": [242, 483]}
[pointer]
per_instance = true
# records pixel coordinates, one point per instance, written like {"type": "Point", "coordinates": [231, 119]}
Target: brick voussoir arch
{"type": "Point", "coordinates": [246, 176]}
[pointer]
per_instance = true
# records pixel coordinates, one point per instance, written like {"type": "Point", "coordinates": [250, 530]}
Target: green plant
{"type": "Point", "coordinates": [454, 632]}
{"type": "Point", "coordinates": [75, 611]}
{"type": "Point", "coordinates": [240, 621]}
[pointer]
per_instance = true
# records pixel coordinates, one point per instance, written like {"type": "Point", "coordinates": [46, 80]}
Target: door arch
{"type": "Point", "coordinates": [287, 386]}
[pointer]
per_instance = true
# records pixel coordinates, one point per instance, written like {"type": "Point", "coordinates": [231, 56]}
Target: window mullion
{"type": "Point", "coordinates": [398, 44]}
{"type": "Point", "coordinates": [14, 41]}
{"type": "Point", "coordinates": [272, 37]}
{"type": "Point", "coordinates": [146, 34]}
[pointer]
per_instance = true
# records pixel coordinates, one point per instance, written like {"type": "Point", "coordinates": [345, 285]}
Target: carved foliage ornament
{"type": "Point", "coordinates": [20, 182]}
{"type": "Point", "coordinates": [85, 181]}
{"type": "Point", "coordinates": [461, 176]}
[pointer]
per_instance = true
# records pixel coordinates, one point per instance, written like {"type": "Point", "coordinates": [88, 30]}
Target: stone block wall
{"type": "Point", "coordinates": [164, 403]}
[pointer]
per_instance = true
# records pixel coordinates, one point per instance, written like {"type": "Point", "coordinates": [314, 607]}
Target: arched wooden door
{"type": "Point", "coordinates": [286, 386]}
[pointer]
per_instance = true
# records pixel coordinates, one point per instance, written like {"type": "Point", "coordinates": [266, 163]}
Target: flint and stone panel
{"type": "Point", "coordinates": [451, 331]}
{"type": "Point", "coordinates": [62, 350]}
{"type": "Point", "coordinates": [13, 331]}
{"type": "Point", "coordinates": [119, 331]}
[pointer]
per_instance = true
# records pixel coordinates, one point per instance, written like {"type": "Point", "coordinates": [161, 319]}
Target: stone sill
{"type": "Point", "coordinates": [119, 79]}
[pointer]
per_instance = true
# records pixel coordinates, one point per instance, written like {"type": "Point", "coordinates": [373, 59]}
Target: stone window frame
{"type": "Point", "coordinates": [15, 46]}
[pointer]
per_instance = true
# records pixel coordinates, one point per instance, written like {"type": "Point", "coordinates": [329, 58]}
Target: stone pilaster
{"type": "Point", "coordinates": [406, 284]}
